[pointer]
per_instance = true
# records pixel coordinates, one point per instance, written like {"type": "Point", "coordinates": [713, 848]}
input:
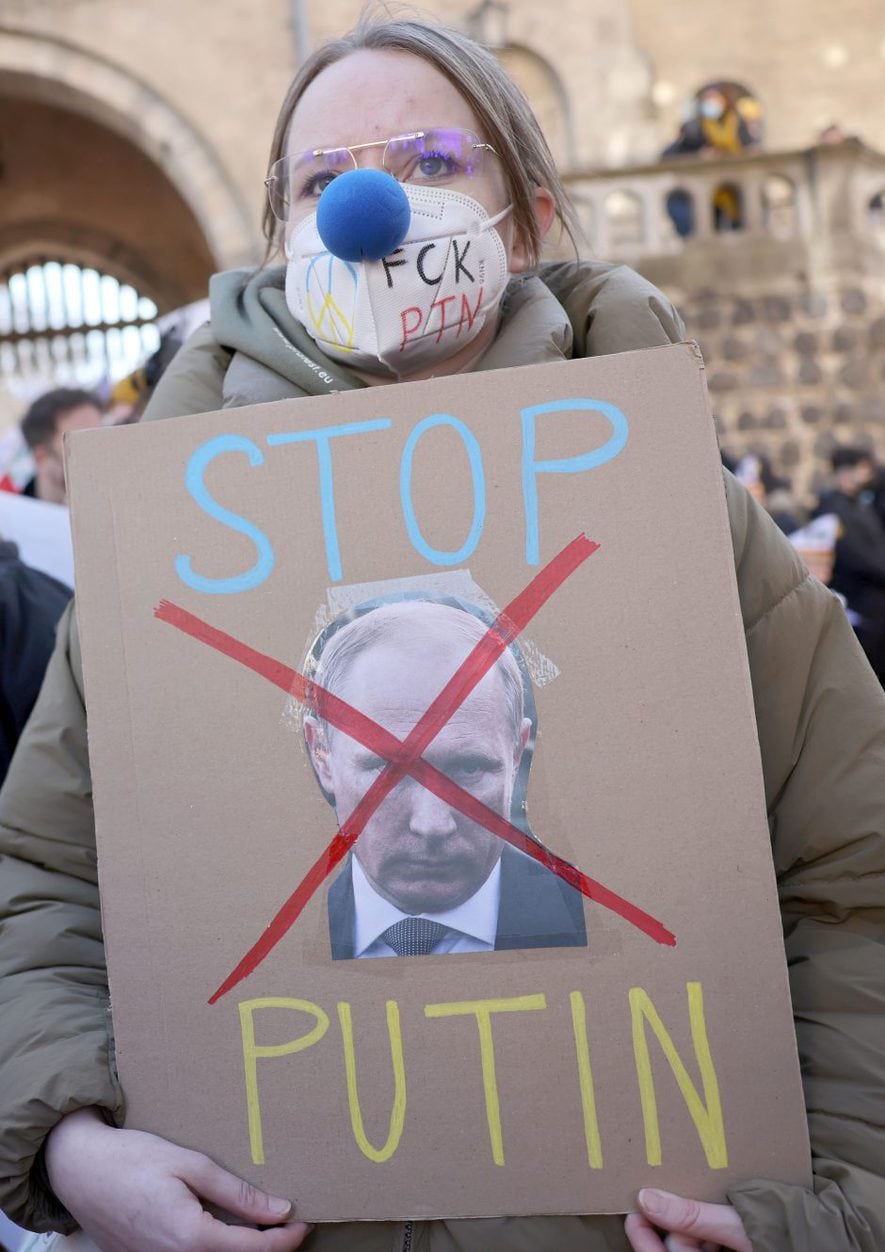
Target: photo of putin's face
{"type": "Point", "coordinates": [422, 878]}
{"type": "Point", "coordinates": [416, 851]}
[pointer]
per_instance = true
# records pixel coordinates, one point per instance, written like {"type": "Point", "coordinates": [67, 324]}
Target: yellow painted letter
{"type": "Point", "coordinates": [398, 1112]}
{"type": "Point", "coordinates": [483, 1009]}
{"type": "Point", "coordinates": [707, 1113]}
{"type": "Point", "coordinates": [252, 1053]}
{"type": "Point", "coordinates": [585, 1077]}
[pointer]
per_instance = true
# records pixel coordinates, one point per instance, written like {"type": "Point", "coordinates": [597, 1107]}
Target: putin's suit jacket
{"type": "Point", "coordinates": [537, 909]}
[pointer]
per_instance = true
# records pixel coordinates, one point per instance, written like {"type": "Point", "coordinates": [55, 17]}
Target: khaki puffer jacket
{"type": "Point", "coordinates": [821, 722]}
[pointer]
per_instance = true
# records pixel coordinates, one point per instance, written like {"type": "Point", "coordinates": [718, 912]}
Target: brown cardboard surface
{"type": "Point", "coordinates": [554, 1079]}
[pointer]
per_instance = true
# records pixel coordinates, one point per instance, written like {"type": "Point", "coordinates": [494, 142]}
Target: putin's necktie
{"type": "Point", "coordinates": [414, 936]}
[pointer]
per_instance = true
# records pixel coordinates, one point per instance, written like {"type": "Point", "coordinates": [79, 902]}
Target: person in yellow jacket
{"type": "Point", "coordinates": [369, 101]}
{"type": "Point", "coordinates": [726, 120]}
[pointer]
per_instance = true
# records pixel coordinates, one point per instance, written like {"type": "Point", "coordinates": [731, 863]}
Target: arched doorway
{"type": "Point", "coordinates": [39, 68]}
{"type": "Point", "coordinates": [95, 241]}
{"type": "Point", "coordinates": [100, 175]}
{"type": "Point", "coordinates": [76, 190]}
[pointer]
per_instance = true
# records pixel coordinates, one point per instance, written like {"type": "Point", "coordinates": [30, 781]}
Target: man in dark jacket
{"type": "Point", "coordinates": [859, 568]}
{"type": "Point", "coordinates": [30, 605]}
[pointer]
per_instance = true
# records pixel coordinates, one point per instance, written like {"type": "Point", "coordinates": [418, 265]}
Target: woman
{"type": "Point", "coordinates": [369, 102]}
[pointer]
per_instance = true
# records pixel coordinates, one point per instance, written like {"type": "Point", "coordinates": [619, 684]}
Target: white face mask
{"type": "Point", "coordinates": [425, 301]}
{"type": "Point", "coordinates": [712, 109]}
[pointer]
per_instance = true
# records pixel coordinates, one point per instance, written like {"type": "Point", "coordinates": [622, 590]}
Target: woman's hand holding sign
{"type": "Point", "coordinates": [135, 1192]}
{"type": "Point", "coordinates": [691, 1225]}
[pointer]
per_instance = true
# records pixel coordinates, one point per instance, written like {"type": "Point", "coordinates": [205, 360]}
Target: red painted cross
{"type": "Point", "coordinates": [404, 757]}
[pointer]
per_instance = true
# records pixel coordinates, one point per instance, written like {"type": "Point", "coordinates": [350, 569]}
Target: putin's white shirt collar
{"type": "Point", "coordinates": [473, 925]}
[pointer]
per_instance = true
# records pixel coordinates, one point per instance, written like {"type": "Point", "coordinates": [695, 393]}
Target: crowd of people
{"type": "Point", "coordinates": [32, 599]}
{"type": "Point", "coordinates": [845, 546]}
{"type": "Point", "coordinates": [66, 1163]}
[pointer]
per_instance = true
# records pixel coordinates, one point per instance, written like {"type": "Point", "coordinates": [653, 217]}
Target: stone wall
{"type": "Point", "coordinates": [793, 372]}
{"type": "Point", "coordinates": [789, 310]}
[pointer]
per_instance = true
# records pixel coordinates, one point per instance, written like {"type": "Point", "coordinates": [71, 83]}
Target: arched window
{"type": "Point", "coordinates": [66, 324]}
{"type": "Point", "coordinates": [625, 219]}
{"type": "Point", "coordinates": [680, 208]}
{"type": "Point", "coordinates": [779, 213]}
{"type": "Point", "coordinates": [728, 207]}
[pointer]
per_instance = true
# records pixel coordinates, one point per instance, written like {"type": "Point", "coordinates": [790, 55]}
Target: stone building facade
{"type": "Point", "coordinates": [789, 311]}
{"type": "Point", "coordinates": [134, 137]}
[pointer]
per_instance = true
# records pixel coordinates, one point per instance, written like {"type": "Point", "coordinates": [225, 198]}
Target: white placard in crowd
{"type": "Point", "coordinates": [42, 532]}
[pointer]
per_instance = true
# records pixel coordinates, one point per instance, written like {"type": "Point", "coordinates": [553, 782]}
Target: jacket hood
{"type": "Point", "coordinates": [249, 315]}
{"type": "Point", "coordinates": [250, 318]}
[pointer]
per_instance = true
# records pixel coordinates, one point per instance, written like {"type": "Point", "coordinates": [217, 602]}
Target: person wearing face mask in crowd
{"type": "Point", "coordinates": [433, 270]}
{"type": "Point", "coordinates": [725, 121]}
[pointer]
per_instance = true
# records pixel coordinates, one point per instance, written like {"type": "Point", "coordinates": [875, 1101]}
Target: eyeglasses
{"type": "Point", "coordinates": [437, 157]}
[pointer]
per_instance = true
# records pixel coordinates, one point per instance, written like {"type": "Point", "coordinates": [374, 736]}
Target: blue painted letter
{"type": "Point", "coordinates": [569, 465]}
{"type": "Point", "coordinates": [193, 480]}
{"type": "Point", "coordinates": [327, 484]}
{"type": "Point", "coordinates": [477, 474]}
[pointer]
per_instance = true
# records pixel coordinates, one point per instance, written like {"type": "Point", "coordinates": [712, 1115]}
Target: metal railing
{"type": "Point", "coordinates": [66, 324]}
{"type": "Point", "coordinates": [668, 208]}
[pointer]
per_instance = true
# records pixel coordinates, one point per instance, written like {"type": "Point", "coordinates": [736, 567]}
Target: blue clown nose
{"type": "Point", "coordinates": [363, 215]}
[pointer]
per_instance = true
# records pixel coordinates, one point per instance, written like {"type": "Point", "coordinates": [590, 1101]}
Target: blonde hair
{"type": "Point", "coordinates": [505, 118]}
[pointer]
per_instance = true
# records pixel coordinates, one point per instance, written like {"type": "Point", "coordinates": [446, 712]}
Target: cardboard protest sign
{"type": "Point", "coordinates": [453, 672]}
